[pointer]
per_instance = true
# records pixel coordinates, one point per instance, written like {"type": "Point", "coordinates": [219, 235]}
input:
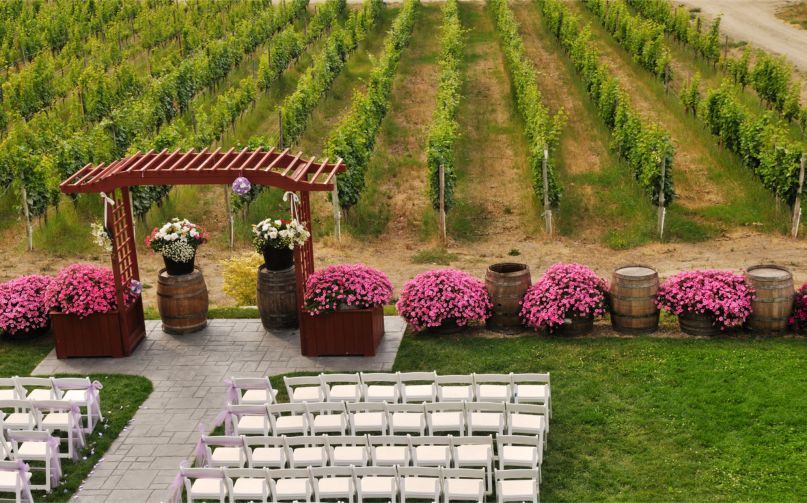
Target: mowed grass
{"type": "Point", "coordinates": [121, 396]}
{"type": "Point", "coordinates": [652, 419]}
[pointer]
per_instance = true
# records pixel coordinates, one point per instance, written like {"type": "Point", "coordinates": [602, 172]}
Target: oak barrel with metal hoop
{"type": "Point", "coordinates": [633, 299]}
{"type": "Point", "coordinates": [182, 302]}
{"type": "Point", "coordinates": [277, 298]}
{"type": "Point", "coordinates": [773, 304]}
{"type": "Point", "coordinates": [506, 283]}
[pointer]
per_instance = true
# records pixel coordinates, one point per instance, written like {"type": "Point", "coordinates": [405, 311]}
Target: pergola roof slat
{"type": "Point", "coordinates": [209, 159]}
{"type": "Point", "coordinates": [154, 159]}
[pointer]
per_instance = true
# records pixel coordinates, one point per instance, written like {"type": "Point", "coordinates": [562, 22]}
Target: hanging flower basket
{"type": "Point", "coordinates": [276, 240]}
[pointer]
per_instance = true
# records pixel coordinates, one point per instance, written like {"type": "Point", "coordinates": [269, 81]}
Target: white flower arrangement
{"type": "Point", "coordinates": [179, 251]}
{"type": "Point", "coordinates": [177, 239]}
{"type": "Point", "coordinates": [100, 236]}
{"type": "Point", "coordinates": [271, 233]}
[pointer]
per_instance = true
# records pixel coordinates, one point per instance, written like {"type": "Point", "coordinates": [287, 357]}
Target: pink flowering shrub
{"type": "Point", "coordinates": [352, 284]}
{"type": "Point", "coordinates": [722, 294]}
{"type": "Point", "coordinates": [444, 295]}
{"type": "Point", "coordinates": [798, 321]}
{"type": "Point", "coordinates": [84, 289]}
{"type": "Point", "coordinates": [22, 304]}
{"type": "Point", "coordinates": [564, 290]}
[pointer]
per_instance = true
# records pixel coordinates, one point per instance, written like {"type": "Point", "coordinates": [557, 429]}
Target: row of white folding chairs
{"type": "Point", "coordinates": [80, 390]}
{"type": "Point", "coordinates": [524, 451]}
{"type": "Point", "coordinates": [15, 478]}
{"type": "Point", "coordinates": [347, 483]}
{"type": "Point", "coordinates": [409, 387]}
{"type": "Point", "coordinates": [45, 415]}
{"type": "Point", "coordinates": [471, 418]}
{"type": "Point", "coordinates": [38, 446]}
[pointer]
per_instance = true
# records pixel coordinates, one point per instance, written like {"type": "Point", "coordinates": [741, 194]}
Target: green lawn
{"type": "Point", "coordinates": [120, 399]}
{"type": "Point", "coordinates": [649, 419]}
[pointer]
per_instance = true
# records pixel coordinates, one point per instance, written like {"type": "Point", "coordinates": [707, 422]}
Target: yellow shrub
{"type": "Point", "coordinates": [241, 278]}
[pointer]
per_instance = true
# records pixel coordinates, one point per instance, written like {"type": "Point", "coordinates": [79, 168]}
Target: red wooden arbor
{"type": "Point", "coordinates": [273, 168]}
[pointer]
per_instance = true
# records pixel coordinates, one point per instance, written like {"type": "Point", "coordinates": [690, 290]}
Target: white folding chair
{"type": "Point", "coordinates": [407, 418]}
{"type": "Point", "coordinates": [291, 484]}
{"type": "Point", "coordinates": [474, 452]}
{"type": "Point", "coordinates": [5, 447]}
{"type": "Point", "coordinates": [493, 387]}
{"type": "Point", "coordinates": [381, 387]}
{"type": "Point", "coordinates": [289, 419]}
{"type": "Point", "coordinates": [390, 450]}
{"type": "Point", "coordinates": [36, 388]}
{"type": "Point", "coordinates": [8, 389]}
{"type": "Point", "coordinates": [485, 417]}
{"type": "Point", "coordinates": [204, 484]}
{"type": "Point", "coordinates": [15, 478]}
{"type": "Point", "coordinates": [418, 386]}
{"type": "Point", "coordinates": [83, 392]}
{"type": "Point", "coordinates": [247, 420]}
{"type": "Point", "coordinates": [250, 391]}
{"type": "Point", "coordinates": [308, 451]}
{"type": "Point", "coordinates": [334, 482]}
{"type": "Point", "coordinates": [445, 417]}
{"type": "Point", "coordinates": [56, 415]}
{"type": "Point", "coordinates": [247, 484]}
{"type": "Point", "coordinates": [23, 416]}
{"type": "Point", "coordinates": [327, 417]}
{"type": "Point", "coordinates": [455, 388]}
{"type": "Point", "coordinates": [527, 419]}
{"type": "Point", "coordinates": [304, 389]}
{"type": "Point", "coordinates": [368, 417]}
{"type": "Point", "coordinates": [431, 451]}
{"type": "Point", "coordinates": [523, 451]}
{"type": "Point", "coordinates": [348, 450]}
{"type": "Point", "coordinates": [420, 482]}
{"type": "Point", "coordinates": [376, 482]}
{"type": "Point", "coordinates": [266, 452]}
{"type": "Point", "coordinates": [517, 485]}
{"type": "Point", "coordinates": [463, 484]}
{"type": "Point", "coordinates": [532, 388]}
{"type": "Point", "coordinates": [215, 451]}
{"type": "Point", "coordinates": [39, 446]}
{"type": "Point", "coordinates": [342, 387]}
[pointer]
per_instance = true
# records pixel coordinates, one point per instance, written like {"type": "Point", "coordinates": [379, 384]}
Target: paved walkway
{"type": "Point", "coordinates": [187, 372]}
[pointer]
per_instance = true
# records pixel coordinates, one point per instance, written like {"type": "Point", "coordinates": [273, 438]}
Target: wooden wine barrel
{"type": "Point", "coordinates": [633, 299]}
{"type": "Point", "coordinates": [698, 324]}
{"type": "Point", "coordinates": [182, 301]}
{"type": "Point", "coordinates": [577, 325]}
{"type": "Point", "coordinates": [773, 304]}
{"type": "Point", "coordinates": [506, 283]}
{"type": "Point", "coordinates": [277, 298]}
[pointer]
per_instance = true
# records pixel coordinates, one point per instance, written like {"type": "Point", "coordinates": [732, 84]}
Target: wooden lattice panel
{"type": "Point", "coordinates": [124, 248]}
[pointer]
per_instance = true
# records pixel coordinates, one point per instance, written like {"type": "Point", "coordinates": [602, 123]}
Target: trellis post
{"type": "Point", "coordinates": [662, 210]}
{"type": "Point", "coordinates": [230, 217]}
{"type": "Point", "coordinates": [29, 230]}
{"type": "Point", "coordinates": [797, 203]}
{"type": "Point", "coordinates": [337, 211]}
{"type": "Point", "coordinates": [547, 208]}
{"type": "Point", "coordinates": [441, 173]}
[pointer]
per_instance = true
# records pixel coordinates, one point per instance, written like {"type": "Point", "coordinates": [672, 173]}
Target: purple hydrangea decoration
{"type": "Point", "coordinates": [241, 186]}
{"type": "Point", "coordinates": [136, 287]}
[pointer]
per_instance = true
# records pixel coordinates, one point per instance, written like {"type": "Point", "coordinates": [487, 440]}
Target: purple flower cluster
{"type": "Point", "coordinates": [722, 294]}
{"type": "Point", "coordinates": [442, 295]}
{"type": "Point", "coordinates": [354, 285]}
{"type": "Point", "coordinates": [84, 289]}
{"type": "Point", "coordinates": [564, 290]}
{"type": "Point", "coordinates": [798, 321]}
{"type": "Point", "coordinates": [22, 304]}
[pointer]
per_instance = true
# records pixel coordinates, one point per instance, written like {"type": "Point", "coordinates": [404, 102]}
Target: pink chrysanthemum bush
{"type": "Point", "coordinates": [798, 321]}
{"type": "Point", "coordinates": [564, 290]}
{"type": "Point", "coordinates": [22, 304]}
{"type": "Point", "coordinates": [722, 294]}
{"type": "Point", "coordinates": [444, 295]}
{"type": "Point", "coordinates": [84, 289]}
{"type": "Point", "coordinates": [355, 285]}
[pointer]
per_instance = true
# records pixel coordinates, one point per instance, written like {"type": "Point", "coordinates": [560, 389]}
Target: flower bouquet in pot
{"type": "Point", "coordinates": [568, 297]}
{"type": "Point", "coordinates": [707, 301]}
{"type": "Point", "coordinates": [276, 240]}
{"type": "Point", "coordinates": [23, 308]}
{"type": "Point", "coordinates": [346, 286]}
{"type": "Point", "coordinates": [444, 299]}
{"type": "Point", "coordinates": [798, 320]}
{"type": "Point", "coordinates": [177, 241]}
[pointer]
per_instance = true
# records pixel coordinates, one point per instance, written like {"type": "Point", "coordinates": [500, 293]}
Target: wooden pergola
{"type": "Point", "coordinates": [273, 168]}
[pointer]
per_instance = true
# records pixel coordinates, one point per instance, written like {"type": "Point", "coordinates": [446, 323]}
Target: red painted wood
{"type": "Point", "coordinates": [355, 332]}
{"type": "Point", "coordinates": [109, 334]}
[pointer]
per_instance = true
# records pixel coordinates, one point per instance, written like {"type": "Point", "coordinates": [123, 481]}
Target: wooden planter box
{"type": "Point", "coordinates": [354, 332]}
{"type": "Point", "coordinates": [112, 334]}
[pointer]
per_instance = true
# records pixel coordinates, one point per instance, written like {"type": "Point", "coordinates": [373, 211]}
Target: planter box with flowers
{"type": "Point", "coordinates": [706, 302]}
{"type": "Point", "coordinates": [85, 317]}
{"type": "Point", "coordinates": [344, 312]}
{"type": "Point", "coordinates": [565, 299]}
{"type": "Point", "coordinates": [444, 300]}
